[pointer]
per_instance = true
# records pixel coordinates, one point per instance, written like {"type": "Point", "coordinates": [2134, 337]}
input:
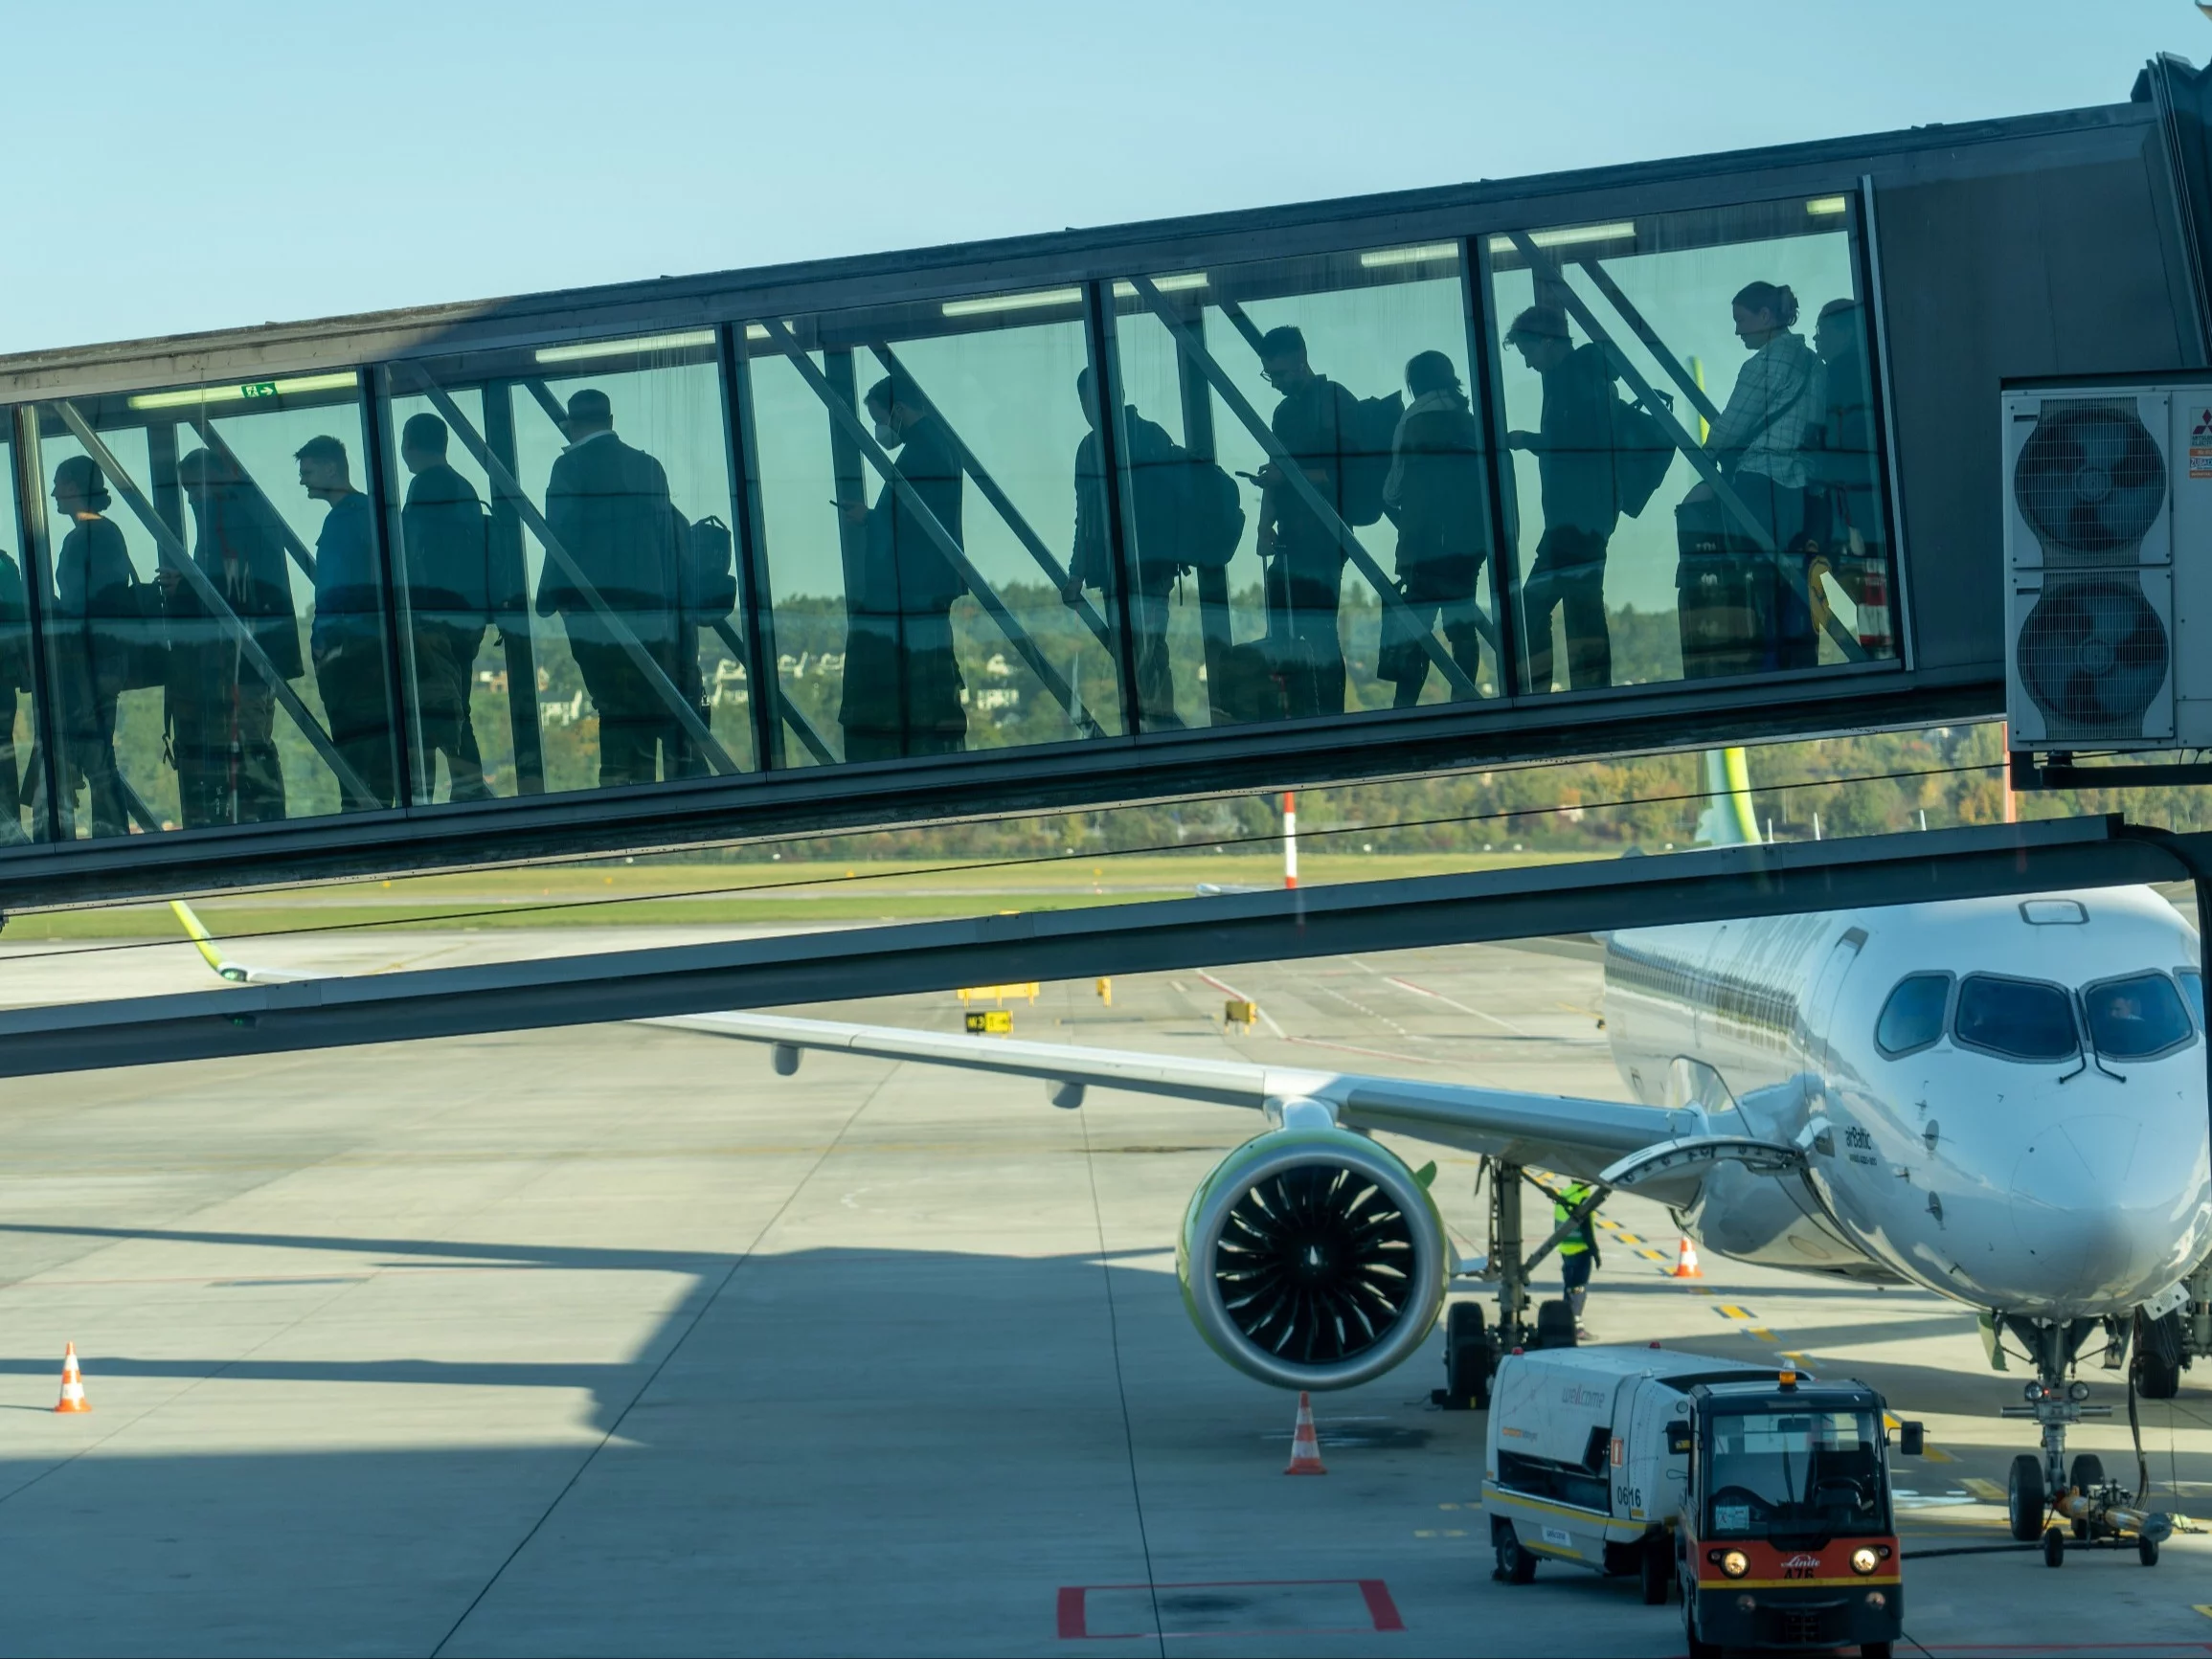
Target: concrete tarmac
{"type": "Point", "coordinates": [609, 1341]}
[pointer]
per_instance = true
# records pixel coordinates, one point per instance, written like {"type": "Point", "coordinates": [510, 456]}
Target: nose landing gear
{"type": "Point", "coordinates": [2056, 1406]}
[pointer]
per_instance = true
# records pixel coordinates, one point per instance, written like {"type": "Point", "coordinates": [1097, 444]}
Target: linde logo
{"type": "Point", "coordinates": [1800, 1566]}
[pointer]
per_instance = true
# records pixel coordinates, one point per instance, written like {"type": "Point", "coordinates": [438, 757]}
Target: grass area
{"type": "Point", "coordinates": [765, 892]}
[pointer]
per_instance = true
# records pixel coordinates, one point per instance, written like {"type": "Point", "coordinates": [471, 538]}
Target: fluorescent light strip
{"type": "Point", "coordinates": [627, 347]}
{"type": "Point", "coordinates": [1182, 284]}
{"type": "Point", "coordinates": [240, 394]}
{"type": "Point", "coordinates": [1621, 231]}
{"type": "Point", "coordinates": [1824, 206]}
{"type": "Point", "coordinates": [1410, 256]}
{"type": "Point", "coordinates": [1039, 299]}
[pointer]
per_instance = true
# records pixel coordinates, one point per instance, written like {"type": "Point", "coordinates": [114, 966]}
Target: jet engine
{"type": "Point", "coordinates": [1312, 1258]}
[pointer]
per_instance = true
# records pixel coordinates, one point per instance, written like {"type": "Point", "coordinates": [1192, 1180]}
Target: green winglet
{"type": "Point", "coordinates": [204, 942]}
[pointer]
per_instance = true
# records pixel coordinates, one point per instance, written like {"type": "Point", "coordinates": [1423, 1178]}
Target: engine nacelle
{"type": "Point", "coordinates": [1312, 1258]}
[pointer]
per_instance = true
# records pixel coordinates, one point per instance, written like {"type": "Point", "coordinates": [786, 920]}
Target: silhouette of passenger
{"type": "Point", "coordinates": [16, 676]}
{"type": "Point", "coordinates": [1434, 496]}
{"type": "Point", "coordinates": [449, 599]}
{"type": "Point", "coordinates": [1156, 469]}
{"type": "Point", "coordinates": [902, 683]}
{"type": "Point", "coordinates": [1574, 448]}
{"type": "Point", "coordinates": [1316, 423]}
{"type": "Point", "coordinates": [221, 715]}
{"type": "Point", "coordinates": [346, 638]}
{"type": "Point", "coordinates": [608, 506]}
{"type": "Point", "coordinates": [1743, 608]}
{"type": "Point", "coordinates": [98, 611]}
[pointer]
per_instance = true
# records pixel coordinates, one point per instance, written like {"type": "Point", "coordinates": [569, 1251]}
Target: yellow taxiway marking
{"type": "Point", "coordinates": [1729, 1311]}
{"type": "Point", "coordinates": [2203, 1607]}
{"type": "Point", "coordinates": [1764, 1335]}
{"type": "Point", "coordinates": [1936, 1454]}
{"type": "Point", "coordinates": [1988, 1490]}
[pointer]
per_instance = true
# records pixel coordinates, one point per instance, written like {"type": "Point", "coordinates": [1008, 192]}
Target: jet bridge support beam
{"type": "Point", "coordinates": [1182, 934]}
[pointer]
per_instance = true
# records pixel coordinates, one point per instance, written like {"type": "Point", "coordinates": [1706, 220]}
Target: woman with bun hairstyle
{"type": "Point", "coordinates": [1743, 610]}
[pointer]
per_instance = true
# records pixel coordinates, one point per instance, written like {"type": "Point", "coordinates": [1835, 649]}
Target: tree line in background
{"type": "Point", "coordinates": [1852, 786]}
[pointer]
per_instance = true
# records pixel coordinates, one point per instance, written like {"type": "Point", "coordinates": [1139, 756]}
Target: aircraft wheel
{"type": "Point", "coordinates": [2026, 1500]}
{"type": "Point", "coordinates": [1467, 1358]}
{"type": "Point", "coordinates": [2054, 1548]}
{"type": "Point", "coordinates": [1554, 1325]}
{"type": "Point", "coordinates": [2146, 1551]}
{"type": "Point", "coordinates": [2157, 1378]}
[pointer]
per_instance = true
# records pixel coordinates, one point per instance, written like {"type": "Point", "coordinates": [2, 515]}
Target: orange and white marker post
{"type": "Point", "coordinates": [1686, 1263]}
{"type": "Point", "coordinates": [1290, 838]}
{"type": "Point", "coordinates": [72, 1384]}
{"type": "Point", "coordinates": [1305, 1443]}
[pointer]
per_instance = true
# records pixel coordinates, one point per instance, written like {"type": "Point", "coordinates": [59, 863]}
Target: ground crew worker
{"type": "Point", "coordinates": [1577, 1252]}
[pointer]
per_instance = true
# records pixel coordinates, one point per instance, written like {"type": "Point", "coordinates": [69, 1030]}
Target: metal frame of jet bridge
{"type": "Point", "coordinates": [1184, 934]}
{"type": "Point", "coordinates": [2046, 244]}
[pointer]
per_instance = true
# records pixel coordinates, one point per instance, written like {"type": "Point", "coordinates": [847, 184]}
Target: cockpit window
{"type": "Point", "coordinates": [2019, 1018]}
{"type": "Point", "coordinates": [1913, 1015]}
{"type": "Point", "coordinates": [2135, 1017]}
{"type": "Point", "coordinates": [2193, 987]}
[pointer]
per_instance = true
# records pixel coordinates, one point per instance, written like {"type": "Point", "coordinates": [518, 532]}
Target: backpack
{"type": "Point", "coordinates": [1643, 453]}
{"type": "Point", "coordinates": [1212, 517]}
{"type": "Point", "coordinates": [710, 570]}
{"type": "Point", "coordinates": [1365, 446]}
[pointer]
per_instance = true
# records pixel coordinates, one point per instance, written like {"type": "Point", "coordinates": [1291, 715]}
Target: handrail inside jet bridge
{"type": "Point", "coordinates": [1979, 860]}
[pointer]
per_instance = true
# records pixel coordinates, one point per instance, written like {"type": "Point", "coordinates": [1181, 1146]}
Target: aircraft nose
{"type": "Point", "coordinates": [2099, 1228]}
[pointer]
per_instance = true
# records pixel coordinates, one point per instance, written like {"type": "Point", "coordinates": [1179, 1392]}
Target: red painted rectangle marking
{"type": "Point", "coordinates": [1381, 1610]}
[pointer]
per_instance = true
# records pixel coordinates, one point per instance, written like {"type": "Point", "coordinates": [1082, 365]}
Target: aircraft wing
{"type": "Point", "coordinates": [1565, 1133]}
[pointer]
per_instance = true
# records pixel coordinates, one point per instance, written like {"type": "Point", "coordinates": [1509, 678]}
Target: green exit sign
{"type": "Point", "coordinates": [259, 388]}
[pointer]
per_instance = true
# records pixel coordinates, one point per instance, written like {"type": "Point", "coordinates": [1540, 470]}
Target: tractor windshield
{"type": "Point", "coordinates": [1794, 1477]}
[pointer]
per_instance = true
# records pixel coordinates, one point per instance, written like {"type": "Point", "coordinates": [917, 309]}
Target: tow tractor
{"type": "Point", "coordinates": [1760, 1494]}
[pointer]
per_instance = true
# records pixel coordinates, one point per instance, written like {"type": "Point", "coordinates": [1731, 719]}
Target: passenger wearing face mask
{"type": "Point", "coordinates": [902, 685]}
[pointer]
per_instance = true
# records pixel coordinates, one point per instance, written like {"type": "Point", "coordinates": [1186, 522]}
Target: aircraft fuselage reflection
{"type": "Point", "coordinates": [2021, 1167]}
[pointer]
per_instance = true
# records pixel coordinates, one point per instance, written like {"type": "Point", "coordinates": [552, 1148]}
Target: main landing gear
{"type": "Point", "coordinates": [1472, 1345]}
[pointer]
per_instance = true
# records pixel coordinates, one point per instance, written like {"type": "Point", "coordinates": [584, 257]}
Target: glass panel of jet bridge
{"type": "Point", "coordinates": [566, 567]}
{"type": "Point", "coordinates": [215, 600]}
{"type": "Point", "coordinates": [1697, 470]}
{"type": "Point", "coordinates": [1305, 479]}
{"type": "Point", "coordinates": [934, 529]}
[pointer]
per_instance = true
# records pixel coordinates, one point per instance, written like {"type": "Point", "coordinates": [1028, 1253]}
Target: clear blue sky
{"type": "Point", "coordinates": [181, 168]}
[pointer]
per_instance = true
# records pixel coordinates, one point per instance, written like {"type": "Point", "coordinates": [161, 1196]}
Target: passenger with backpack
{"type": "Point", "coordinates": [1433, 494]}
{"type": "Point", "coordinates": [1330, 437]}
{"type": "Point", "coordinates": [1574, 448]}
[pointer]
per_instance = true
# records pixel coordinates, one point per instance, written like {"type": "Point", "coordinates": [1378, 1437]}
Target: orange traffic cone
{"type": "Point", "coordinates": [1686, 1263]}
{"type": "Point", "coordinates": [72, 1384]}
{"type": "Point", "coordinates": [1305, 1445]}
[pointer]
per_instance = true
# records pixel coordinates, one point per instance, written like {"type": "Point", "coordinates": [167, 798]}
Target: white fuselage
{"type": "Point", "coordinates": [2054, 1188]}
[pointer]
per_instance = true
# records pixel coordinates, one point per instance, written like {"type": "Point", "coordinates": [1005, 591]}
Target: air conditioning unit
{"type": "Point", "coordinates": [2104, 489]}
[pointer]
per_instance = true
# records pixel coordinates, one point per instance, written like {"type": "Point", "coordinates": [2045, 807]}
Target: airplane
{"type": "Point", "coordinates": [2001, 1101]}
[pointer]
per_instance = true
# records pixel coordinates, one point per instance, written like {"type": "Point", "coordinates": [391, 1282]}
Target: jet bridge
{"type": "Point", "coordinates": [1681, 452]}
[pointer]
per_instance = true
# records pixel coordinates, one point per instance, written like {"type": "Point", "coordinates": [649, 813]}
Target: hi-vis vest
{"type": "Point", "coordinates": [1570, 1199]}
